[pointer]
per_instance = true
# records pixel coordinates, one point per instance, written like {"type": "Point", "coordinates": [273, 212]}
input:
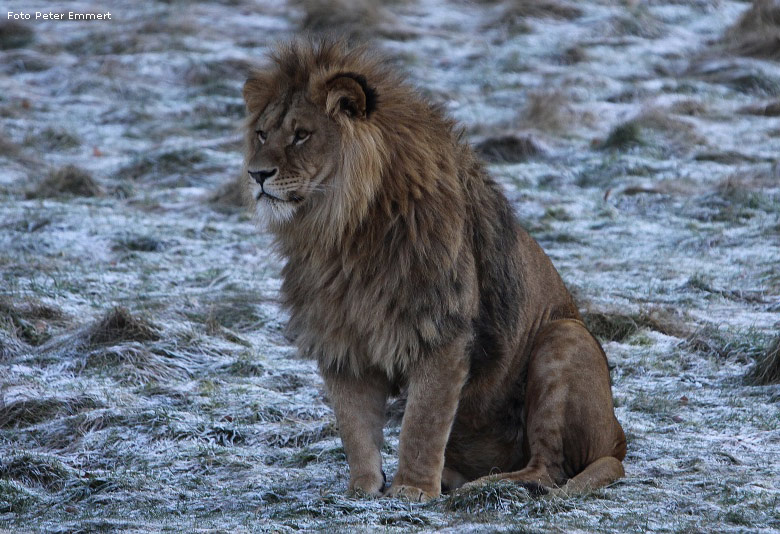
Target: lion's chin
{"type": "Point", "coordinates": [276, 211]}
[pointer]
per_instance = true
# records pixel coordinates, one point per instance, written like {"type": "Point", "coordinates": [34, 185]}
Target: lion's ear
{"type": "Point", "coordinates": [351, 95]}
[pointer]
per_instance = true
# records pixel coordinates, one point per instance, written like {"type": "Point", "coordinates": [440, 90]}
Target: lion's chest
{"type": "Point", "coordinates": [346, 318]}
{"type": "Point", "coordinates": [377, 313]}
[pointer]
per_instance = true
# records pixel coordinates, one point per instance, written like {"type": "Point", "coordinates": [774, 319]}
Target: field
{"type": "Point", "coordinates": [146, 383]}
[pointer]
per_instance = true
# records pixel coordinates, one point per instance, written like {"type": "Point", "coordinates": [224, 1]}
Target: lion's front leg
{"type": "Point", "coordinates": [359, 404]}
{"type": "Point", "coordinates": [434, 390]}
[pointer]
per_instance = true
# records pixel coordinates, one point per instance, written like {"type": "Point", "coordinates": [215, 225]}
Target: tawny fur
{"type": "Point", "coordinates": [406, 268]}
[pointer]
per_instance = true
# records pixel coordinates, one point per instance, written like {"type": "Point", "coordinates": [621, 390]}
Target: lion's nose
{"type": "Point", "coordinates": [261, 176]}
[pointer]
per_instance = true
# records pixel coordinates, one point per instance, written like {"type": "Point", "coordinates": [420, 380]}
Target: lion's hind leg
{"type": "Point", "coordinates": [600, 473]}
{"type": "Point", "coordinates": [572, 436]}
{"type": "Point", "coordinates": [571, 429]}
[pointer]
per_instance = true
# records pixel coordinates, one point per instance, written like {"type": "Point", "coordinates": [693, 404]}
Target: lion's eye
{"type": "Point", "coordinates": [301, 136]}
{"type": "Point", "coordinates": [261, 135]}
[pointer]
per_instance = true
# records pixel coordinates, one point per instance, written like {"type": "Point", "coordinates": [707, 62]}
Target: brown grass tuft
{"type": "Point", "coordinates": [15, 35]}
{"type": "Point", "coordinates": [28, 321]}
{"type": "Point", "coordinates": [120, 325]}
{"type": "Point", "coordinates": [508, 149]}
{"type": "Point", "coordinates": [548, 111]}
{"type": "Point", "coordinates": [757, 32]}
{"type": "Point", "coordinates": [654, 127]}
{"type": "Point", "coordinates": [67, 181]}
{"type": "Point", "coordinates": [766, 370]}
{"type": "Point", "coordinates": [35, 470]}
{"type": "Point", "coordinates": [768, 109]}
{"type": "Point", "coordinates": [613, 326]}
{"type": "Point", "coordinates": [555, 9]}
{"type": "Point", "coordinates": [353, 19]}
{"type": "Point", "coordinates": [22, 412]}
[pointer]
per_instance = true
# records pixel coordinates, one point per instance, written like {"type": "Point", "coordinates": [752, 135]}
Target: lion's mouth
{"type": "Point", "coordinates": [292, 199]}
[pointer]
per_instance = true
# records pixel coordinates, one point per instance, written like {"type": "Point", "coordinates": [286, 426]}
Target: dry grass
{"type": "Point", "coordinates": [15, 35]}
{"type": "Point", "coordinates": [515, 16]}
{"type": "Point", "coordinates": [769, 109]}
{"type": "Point", "coordinates": [67, 181]}
{"type": "Point", "coordinates": [549, 111]}
{"type": "Point", "coordinates": [21, 412]}
{"type": "Point", "coordinates": [508, 148]}
{"type": "Point", "coordinates": [30, 320]}
{"type": "Point", "coordinates": [355, 19]}
{"type": "Point", "coordinates": [657, 129]}
{"type": "Point", "coordinates": [757, 32]}
{"type": "Point", "coordinates": [35, 470]}
{"type": "Point", "coordinates": [766, 370]}
{"type": "Point", "coordinates": [170, 162]}
{"type": "Point", "coordinates": [617, 326]}
{"type": "Point", "coordinates": [499, 495]}
{"type": "Point", "coordinates": [556, 9]}
{"type": "Point", "coordinates": [120, 325]}
{"type": "Point", "coordinates": [638, 22]}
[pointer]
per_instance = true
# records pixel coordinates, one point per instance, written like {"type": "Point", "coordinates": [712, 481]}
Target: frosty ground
{"type": "Point", "coordinates": [146, 383]}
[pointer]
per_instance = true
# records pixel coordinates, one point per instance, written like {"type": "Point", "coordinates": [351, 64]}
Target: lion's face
{"type": "Point", "coordinates": [292, 156]}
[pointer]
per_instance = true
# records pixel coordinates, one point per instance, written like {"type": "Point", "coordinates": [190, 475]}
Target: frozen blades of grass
{"type": "Point", "coordinates": [126, 347]}
{"type": "Point", "coordinates": [321, 453]}
{"type": "Point", "coordinates": [16, 499]}
{"type": "Point", "coordinates": [27, 321]}
{"type": "Point", "coordinates": [10, 346]}
{"type": "Point", "coordinates": [350, 510]}
{"type": "Point", "coordinates": [33, 469]}
{"type": "Point", "coordinates": [298, 433]}
{"type": "Point", "coordinates": [134, 363]}
{"type": "Point", "coordinates": [492, 496]}
{"type": "Point", "coordinates": [741, 345]}
{"type": "Point", "coordinates": [29, 410]}
{"type": "Point", "coordinates": [28, 479]}
{"type": "Point", "coordinates": [163, 423]}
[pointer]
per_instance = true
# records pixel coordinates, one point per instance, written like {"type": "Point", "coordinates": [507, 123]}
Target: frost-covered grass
{"type": "Point", "coordinates": [146, 383]}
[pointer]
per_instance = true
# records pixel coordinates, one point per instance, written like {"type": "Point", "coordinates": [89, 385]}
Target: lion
{"type": "Point", "coordinates": [407, 271]}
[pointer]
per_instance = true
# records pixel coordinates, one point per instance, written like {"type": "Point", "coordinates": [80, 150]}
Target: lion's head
{"type": "Point", "coordinates": [312, 149]}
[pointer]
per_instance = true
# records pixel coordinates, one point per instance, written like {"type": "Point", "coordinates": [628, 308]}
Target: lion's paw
{"type": "Point", "coordinates": [409, 493]}
{"type": "Point", "coordinates": [368, 484]}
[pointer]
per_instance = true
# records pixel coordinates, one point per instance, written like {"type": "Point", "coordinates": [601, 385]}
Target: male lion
{"type": "Point", "coordinates": [406, 269]}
